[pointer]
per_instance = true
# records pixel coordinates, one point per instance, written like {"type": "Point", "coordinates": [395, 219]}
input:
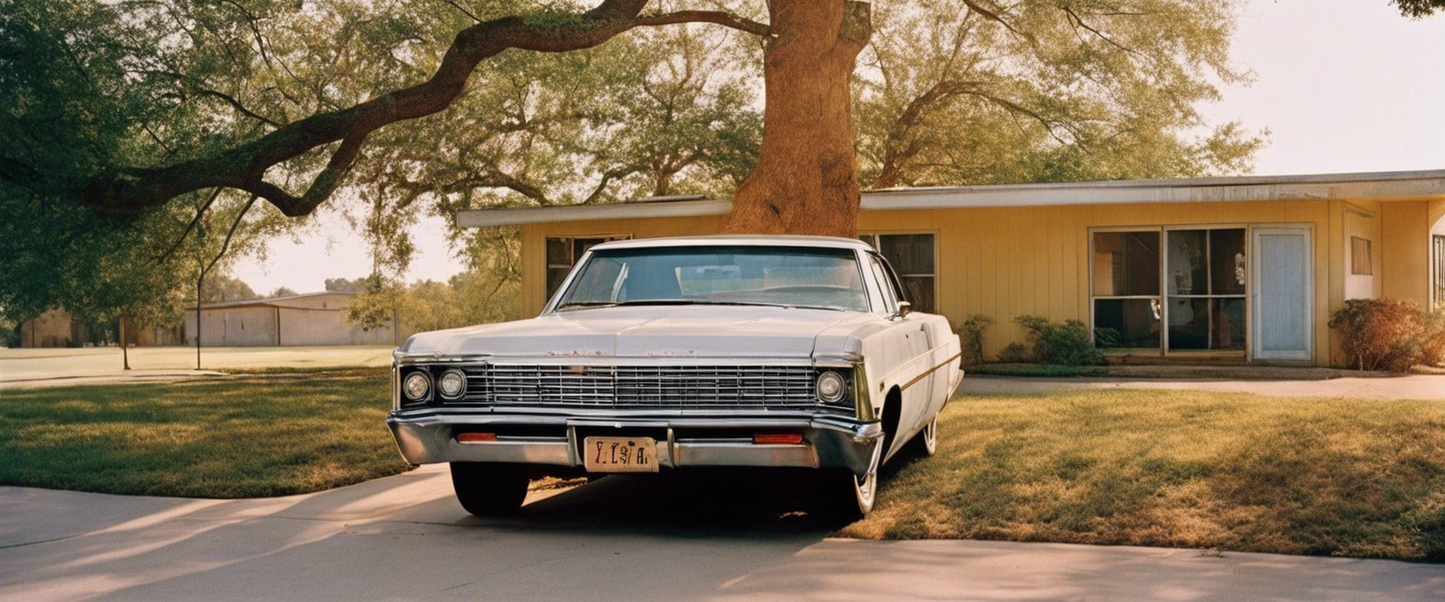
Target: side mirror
{"type": "Point", "coordinates": [904, 308]}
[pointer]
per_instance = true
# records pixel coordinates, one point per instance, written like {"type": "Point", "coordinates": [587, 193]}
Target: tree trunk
{"type": "Point", "coordinates": [806, 181]}
{"type": "Point", "coordinates": [124, 354]}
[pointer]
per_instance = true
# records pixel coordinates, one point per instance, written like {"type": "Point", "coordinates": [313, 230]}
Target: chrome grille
{"type": "Point", "coordinates": [674, 387]}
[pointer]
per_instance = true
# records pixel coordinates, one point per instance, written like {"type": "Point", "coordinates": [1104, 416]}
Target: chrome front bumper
{"type": "Point", "coordinates": [426, 437]}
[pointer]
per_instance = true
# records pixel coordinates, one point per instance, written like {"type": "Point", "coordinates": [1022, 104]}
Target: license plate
{"type": "Point", "coordinates": [620, 454]}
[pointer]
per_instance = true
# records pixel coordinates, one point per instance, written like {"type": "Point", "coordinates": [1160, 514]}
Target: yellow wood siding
{"type": "Point", "coordinates": [1013, 261]}
{"type": "Point", "coordinates": [1406, 251]}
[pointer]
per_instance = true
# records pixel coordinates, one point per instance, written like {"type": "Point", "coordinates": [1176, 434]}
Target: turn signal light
{"type": "Point", "coordinates": [476, 437]}
{"type": "Point", "coordinates": [778, 438]}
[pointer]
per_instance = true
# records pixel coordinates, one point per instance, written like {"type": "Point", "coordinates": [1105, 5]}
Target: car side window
{"type": "Point", "coordinates": [891, 277]}
{"type": "Point", "coordinates": [890, 294]}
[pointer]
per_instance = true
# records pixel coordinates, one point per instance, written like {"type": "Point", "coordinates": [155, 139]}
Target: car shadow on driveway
{"type": "Point", "coordinates": [742, 504]}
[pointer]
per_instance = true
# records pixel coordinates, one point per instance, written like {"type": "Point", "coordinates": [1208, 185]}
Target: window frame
{"type": "Point", "coordinates": [1437, 243]}
{"type": "Point", "coordinates": [1163, 296]}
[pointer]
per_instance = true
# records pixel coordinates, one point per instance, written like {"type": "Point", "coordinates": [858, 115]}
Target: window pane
{"type": "Point", "coordinates": [1126, 263]}
{"type": "Point", "coordinates": [908, 253]}
{"type": "Point", "coordinates": [1226, 261]}
{"type": "Point", "coordinates": [557, 252]}
{"type": "Point", "coordinates": [1229, 326]}
{"type": "Point", "coordinates": [1360, 257]}
{"type": "Point", "coordinates": [920, 292]}
{"type": "Point", "coordinates": [554, 279]}
{"type": "Point", "coordinates": [1206, 324]}
{"type": "Point", "coordinates": [1188, 267]}
{"type": "Point", "coordinates": [1188, 324]}
{"type": "Point", "coordinates": [1126, 323]}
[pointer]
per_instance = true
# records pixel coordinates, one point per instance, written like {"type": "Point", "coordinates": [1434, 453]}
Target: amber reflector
{"type": "Point", "coordinates": [476, 437]}
{"type": "Point", "coordinates": [778, 438]}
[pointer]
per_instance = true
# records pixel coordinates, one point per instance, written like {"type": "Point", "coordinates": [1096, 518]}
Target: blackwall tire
{"type": "Point", "coordinates": [488, 489]}
{"type": "Point", "coordinates": [850, 497]}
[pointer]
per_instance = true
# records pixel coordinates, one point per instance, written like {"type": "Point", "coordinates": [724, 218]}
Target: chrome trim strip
{"type": "Point", "coordinates": [930, 371]}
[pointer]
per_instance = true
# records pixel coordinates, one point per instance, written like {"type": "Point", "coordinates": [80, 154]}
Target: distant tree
{"type": "Point", "coordinates": [220, 288]}
{"type": "Point", "coordinates": [342, 285]}
{"type": "Point", "coordinates": [1416, 9]}
{"type": "Point", "coordinates": [377, 303]}
{"type": "Point", "coordinates": [282, 292]}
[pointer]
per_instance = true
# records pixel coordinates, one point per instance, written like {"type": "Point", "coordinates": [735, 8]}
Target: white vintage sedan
{"type": "Point", "coordinates": [660, 354]}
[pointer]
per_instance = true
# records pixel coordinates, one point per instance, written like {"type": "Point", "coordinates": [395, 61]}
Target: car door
{"type": "Point", "coordinates": [905, 344]}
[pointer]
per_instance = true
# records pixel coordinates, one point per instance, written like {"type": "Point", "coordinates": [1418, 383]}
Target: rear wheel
{"type": "Point", "coordinates": [926, 443]}
{"type": "Point", "coordinates": [488, 489]}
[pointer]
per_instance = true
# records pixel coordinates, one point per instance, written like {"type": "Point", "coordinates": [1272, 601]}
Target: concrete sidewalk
{"type": "Point", "coordinates": [27, 368]}
{"type": "Point", "coordinates": [405, 537]}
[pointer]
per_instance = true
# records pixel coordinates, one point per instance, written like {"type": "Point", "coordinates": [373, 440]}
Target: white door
{"type": "Point", "coordinates": [1283, 294]}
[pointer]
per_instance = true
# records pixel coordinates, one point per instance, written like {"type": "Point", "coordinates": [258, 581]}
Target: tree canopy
{"type": "Point", "coordinates": [1416, 9]}
{"type": "Point", "coordinates": [140, 132]}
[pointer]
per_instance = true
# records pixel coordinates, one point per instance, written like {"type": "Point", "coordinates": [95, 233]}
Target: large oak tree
{"type": "Point", "coordinates": [134, 113]}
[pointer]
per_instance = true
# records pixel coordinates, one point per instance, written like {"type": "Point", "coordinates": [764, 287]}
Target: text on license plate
{"type": "Point", "coordinates": [620, 454]}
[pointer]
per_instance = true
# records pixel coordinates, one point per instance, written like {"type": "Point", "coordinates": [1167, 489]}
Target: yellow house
{"type": "Point", "coordinates": [1197, 270]}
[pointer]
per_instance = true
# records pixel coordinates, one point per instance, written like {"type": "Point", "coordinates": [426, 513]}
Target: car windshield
{"type": "Point", "coordinates": [723, 275]}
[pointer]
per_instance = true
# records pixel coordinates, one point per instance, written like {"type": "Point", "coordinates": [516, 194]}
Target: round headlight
{"type": "Point", "coordinates": [416, 386]}
{"type": "Point", "coordinates": [831, 387]}
{"type": "Point", "coordinates": [452, 383]}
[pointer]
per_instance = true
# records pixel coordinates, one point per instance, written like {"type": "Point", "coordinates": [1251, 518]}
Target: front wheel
{"type": "Point", "coordinates": [488, 489]}
{"type": "Point", "coordinates": [849, 497]}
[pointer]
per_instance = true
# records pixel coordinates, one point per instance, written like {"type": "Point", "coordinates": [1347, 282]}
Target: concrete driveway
{"type": "Point", "coordinates": [404, 537]}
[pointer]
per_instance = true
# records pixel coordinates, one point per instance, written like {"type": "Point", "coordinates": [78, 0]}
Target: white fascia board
{"type": "Point", "coordinates": [1377, 186]}
{"type": "Point", "coordinates": [483, 218]}
{"type": "Point", "coordinates": [1195, 190]}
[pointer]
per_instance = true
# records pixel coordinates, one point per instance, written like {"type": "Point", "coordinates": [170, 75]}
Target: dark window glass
{"type": "Point", "coordinates": [1126, 264]}
{"type": "Point", "coordinates": [911, 256]}
{"type": "Point", "coordinates": [558, 252]}
{"type": "Point", "coordinates": [1229, 327]}
{"type": "Point", "coordinates": [1126, 323]}
{"type": "Point", "coordinates": [1227, 263]}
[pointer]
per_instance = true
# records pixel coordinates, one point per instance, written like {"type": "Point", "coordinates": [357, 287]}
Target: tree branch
{"type": "Point", "coordinates": [996, 18]}
{"type": "Point", "coordinates": [705, 16]}
{"type": "Point", "coordinates": [242, 167]}
{"type": "Point", "coordinates": [200, 213]}
{"type": "Point", "coordinates": [236, 104]}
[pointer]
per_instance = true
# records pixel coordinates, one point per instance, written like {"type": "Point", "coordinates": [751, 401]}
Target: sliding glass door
{"type": "Point", "coordinates": [1170, 290]}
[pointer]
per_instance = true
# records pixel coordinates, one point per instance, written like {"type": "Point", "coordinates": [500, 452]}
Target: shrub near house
{"type": "Point", "coordinates": [1389, 334]}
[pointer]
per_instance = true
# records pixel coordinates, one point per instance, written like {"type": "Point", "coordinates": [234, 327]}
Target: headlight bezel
{"type": "Point", "coordinates": [834, 380]}
{"type": "Point", "coordinates": [419, 375]}
{"type": "Point", "coordinates": [441, 386]}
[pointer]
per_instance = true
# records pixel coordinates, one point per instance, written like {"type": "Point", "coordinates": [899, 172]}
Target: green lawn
{"type": "Point", "coordinates": [1160, 468]}
{"type": "Point", "coordinates": [1181, 469]}
{"type": "Point", "coordinates": [255, 435]}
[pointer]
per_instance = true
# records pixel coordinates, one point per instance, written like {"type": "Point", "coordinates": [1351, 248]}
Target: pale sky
{"type": "Point", "coordinates": [1342, 85]}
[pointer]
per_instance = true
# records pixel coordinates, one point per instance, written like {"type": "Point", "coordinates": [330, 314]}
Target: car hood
{"type": "Point", "coordinates": [651, 331]}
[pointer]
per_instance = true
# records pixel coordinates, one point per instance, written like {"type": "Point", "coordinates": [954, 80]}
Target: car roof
{"type": "Point", "coordinates": [761, 240]}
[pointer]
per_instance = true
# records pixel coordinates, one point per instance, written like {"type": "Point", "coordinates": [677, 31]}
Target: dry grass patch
{"type": "Point", "coordinates": [1180, 469]}
{"type": "Point", "coordinates": [257, 435]}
